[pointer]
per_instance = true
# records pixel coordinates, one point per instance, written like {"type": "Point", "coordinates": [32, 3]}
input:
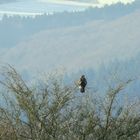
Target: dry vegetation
{"type": "Point", "coordinates": [51, 111]}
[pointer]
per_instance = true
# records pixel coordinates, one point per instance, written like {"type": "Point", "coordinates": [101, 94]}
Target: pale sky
{"type": "Point", "coordinates": [114, 1]}
{"type": "Point", "coordinates": [88, 2]}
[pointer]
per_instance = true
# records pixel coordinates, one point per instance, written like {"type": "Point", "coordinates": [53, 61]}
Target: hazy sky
{"type": "Point", "coordinates": [82, 1]}
{"type": "Point", "coordinates": [102, 2]}
{"type": "Point", "coordinates": [7, 1]}
{"type": "Point", "coordinates": [114, 1]}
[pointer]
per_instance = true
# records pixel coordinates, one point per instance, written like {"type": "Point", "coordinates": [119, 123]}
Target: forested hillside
{"type": "Point", "coordinates": [75, 41]}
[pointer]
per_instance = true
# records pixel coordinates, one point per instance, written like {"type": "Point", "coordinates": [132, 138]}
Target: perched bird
{"type": "Point", "coordinates": [82, 83]}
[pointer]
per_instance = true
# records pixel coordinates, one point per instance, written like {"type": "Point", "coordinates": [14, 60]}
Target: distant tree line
{"type": "Point", "coordinates": [17, 28]}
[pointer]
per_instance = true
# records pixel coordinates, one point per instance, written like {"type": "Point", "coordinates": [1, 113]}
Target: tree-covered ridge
{"type": "Point", "coordinates": [25, 27]}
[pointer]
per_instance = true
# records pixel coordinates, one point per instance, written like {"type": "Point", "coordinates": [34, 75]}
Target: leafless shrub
{"type": "Point", "coordinates": [50, 111]}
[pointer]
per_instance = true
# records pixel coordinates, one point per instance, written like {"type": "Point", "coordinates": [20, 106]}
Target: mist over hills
{"type": "Point", "coordinates": [82, 46]}
{"type": "Point", "coordinates": [23, 28]}
{"type": "Point", "coordinates": [7, 1]}
{"type": "Point", "coordinates": [75, 41]}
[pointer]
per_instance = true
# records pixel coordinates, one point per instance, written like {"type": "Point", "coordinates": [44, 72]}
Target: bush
{"type": "Point", "coordinates": [52, 111]}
